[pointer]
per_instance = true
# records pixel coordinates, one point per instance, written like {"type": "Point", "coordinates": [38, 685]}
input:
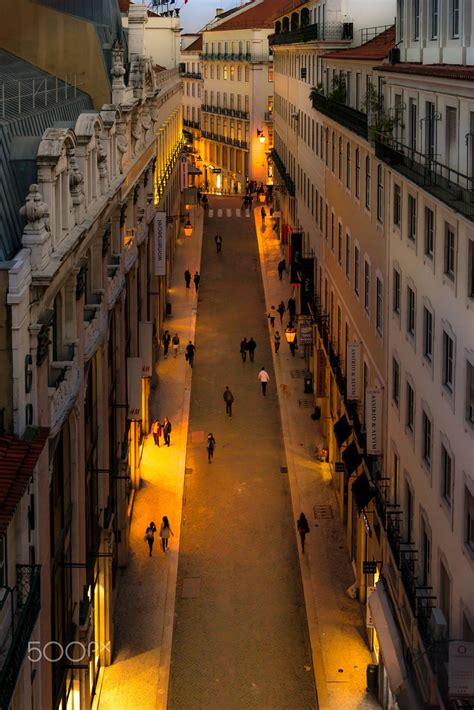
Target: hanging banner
{"type": "Point", "coordinates": [461, 668]}
{"type": "Point", "coordinates": [373, 420]}
{"type": "Point", "coordinates": [183, 172]}
{"type": "Point", "coordinates": [320, 373]}
{"type": "Point", "coordinates": [159, 243]}
{"type": "Point", "coordinates": [145, 335]}
{"type": "Point", "coordinates": [307, 284]}
{"type": "Point", "coordinates": [353, 371]}
{"type": "Point", "coordinates": [305, 336]}
{"type": "Point", "coordinates": [296, 257]}
{"type": "Point", "coordinates": [134, 388]}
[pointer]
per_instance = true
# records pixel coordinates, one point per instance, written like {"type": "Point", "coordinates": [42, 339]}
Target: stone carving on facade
{"type": "Point", "coordinates": [129, 255]}
{"type": "Point", "coordinates": [95, 333]}
{"type": "Point", "coordinates": [36, 234]}
{"type": "Point", "coordinates": [63, 398]}
{"type": "Point", "coordinates": [118, 72]}
{"type": "Point", "coordinates": [137, 135]}
{"type": "Point", "coordinates": [106, 242]}
{"type": "Point", "coordinates": [76, 180]}
{"type": "Point", "coordinates": [116, 285]}
{"type": "Point", "coordinates": [42, 350]}
{"type": "Point", "coordinates": [122, 142]}
{"type": "Point", "coordinates": [101, 161]}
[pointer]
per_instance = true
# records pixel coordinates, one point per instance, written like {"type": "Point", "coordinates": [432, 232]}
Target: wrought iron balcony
{"type": "Point", "coordinates": [190, 75]}
{"type": "Point", "coordinates": [225, 139]}
{"type": "Point", "coordinates": [25, 601]}
{"type": "Point", "coordinates": [232, 56]}
{"type": "Point", "coordinates": [268, 116]}
{"type": "Point", "coordinates": [345, 115]}
{"type": "Point", "coordinates": [453, 188]}
{"type": "Point", "coordinates": [318, 32]}
{"type": "Point", "coordinates": [190, 124]}
{"type": "Point", "coordinates": [286, 177]}
{"type": "Point", "coordinates": [224, 111]}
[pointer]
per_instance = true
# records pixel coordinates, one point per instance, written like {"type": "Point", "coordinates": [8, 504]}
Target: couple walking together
{"type": "Point", "coordinates": [158, 429]}
{"type": "Point", "coordinates": [165, 532]}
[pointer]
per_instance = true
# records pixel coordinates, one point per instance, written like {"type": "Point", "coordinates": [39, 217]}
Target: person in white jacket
{"type": "Point", "coordinates": [264, 378]}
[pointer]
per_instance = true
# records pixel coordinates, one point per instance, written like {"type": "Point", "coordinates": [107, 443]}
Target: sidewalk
{"type": "Point", "coordinates": [144, 611]}
{"type": "Point", "coordinates": [338, 639]}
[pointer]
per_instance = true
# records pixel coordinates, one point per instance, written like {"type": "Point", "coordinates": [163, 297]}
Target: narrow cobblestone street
{"type": "Point", "coordinates": [240, 638]}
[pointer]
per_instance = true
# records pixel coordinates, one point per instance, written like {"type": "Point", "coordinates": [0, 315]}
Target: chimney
{"type": "Point", "coordinates": [219, 11]}
{"type": "Point", "coordinates": [137, 18]}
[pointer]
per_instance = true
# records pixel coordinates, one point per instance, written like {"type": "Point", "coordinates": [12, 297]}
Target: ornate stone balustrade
{"type": "Point", "coordinates": [95, 332]}
{"type": "Point", "coordinates": [129, 255]}
{"type": "Point", "coordinates": [116, 284]}
{"type": "Point", "coordinates": [63, 397]}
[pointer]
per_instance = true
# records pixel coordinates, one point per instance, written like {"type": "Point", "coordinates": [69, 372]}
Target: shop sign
{"type": "Point", "coordinates": [145, 333]}
{"type": "Point", "coordinates": [276, 214]}
{"type": "Point", "coordinates": [369, 567]}
{"type": "Point", "coordinates": [369, 619]}
{"type": "Point", "coordinates": [183, 172]}
{"type": "Point", "coordinates": [307, 284]}
{"type": "Point", "coordinates": [373, 420]}
{"type": "Point", "coordinates": [296, 257]}
{"type": "Point", "coordinates": [134, 388]}
{"type": "Point", "coordinates": [461, 668]}
{"type": "Point", "coordinates": [353, 371]}
{"type": "Point", "coordinates": [306, 334]}
{"type": "Point", "coordinates": [321, 374]}
{"type": "Point", "coordinates": [159, 243]}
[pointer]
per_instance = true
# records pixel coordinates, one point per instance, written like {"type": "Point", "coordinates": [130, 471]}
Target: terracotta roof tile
{"type": "Point", "coordinates": [18, 457]}
{"type": "Point", "coordinates": [195, 46]}
{"type": "Point", "coordinates": [375, 49]}
{"type": "Point", "coordinates": [447, 71]}
{"type": "Point", "coordinates": [255, 14]}
{"type": "Point", "coordinates": [289, 7]}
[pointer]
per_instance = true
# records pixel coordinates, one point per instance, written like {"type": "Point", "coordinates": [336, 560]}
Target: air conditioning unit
{"type": "Point", "coordinates": [394, 55]}
{"type": "Point", "coordinates": [439, 624]}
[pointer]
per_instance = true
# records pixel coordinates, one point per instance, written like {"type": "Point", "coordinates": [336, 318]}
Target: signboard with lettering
{"type": "Point", "coordinates": [369, 619]}
{"type": "Point", "coordinates": [134, 388]}
{"type": "Point", "coordinates": [145, 333]}
{"type": "Point", "coordinates": [306, 334]}
{"type": "Point", "coordinates": [369, 567]}
{"type": "Point", "coordinates": [461, 668]}
{"type": "Point", "coordinates": [321, 374]}
{"type": "Point", "coordinates": [183, 172]}
{"type": "Point", "coordinates": [159, 243]}
{"type": "Point", "coordinates": [307, 284]}
{"type": "Point", "coordinates": [353, 371]}
{"type": "Point", "coordinates": [373, 420]}
{"type": "Point", "coordinates": [295, 258]}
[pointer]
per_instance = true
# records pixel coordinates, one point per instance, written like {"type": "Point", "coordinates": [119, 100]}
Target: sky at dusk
{"type": "Point", "coordinates": [198, 12]}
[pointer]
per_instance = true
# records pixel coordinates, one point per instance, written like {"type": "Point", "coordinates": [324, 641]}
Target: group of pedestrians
{"type": "Point", "coordinates": [166, 339]}
{"type": "Point", "coordinates": [247, 346]}
{"type": "Point", "coordinates": [165, 533]}
{"type": "Point", "coordinates": [159, 430]}
{"type": "Point", "coordinates": [196, 279]}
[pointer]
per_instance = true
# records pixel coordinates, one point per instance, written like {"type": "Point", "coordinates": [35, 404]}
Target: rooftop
{"type": "Point", "coordinates": [445, 71]}
{"type": "Point", "coordinates": [375, 49]}
{"type": "Point", "coordinates": [255, 14]}
{"type": "Point", "coordinates": [195, 46]}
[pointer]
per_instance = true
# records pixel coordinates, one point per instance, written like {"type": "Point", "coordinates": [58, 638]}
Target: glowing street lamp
{"type": "Point", "coordinates": [290, 333]}
{"type": "Point", "coordinates": [261, 136]}
{"type": "Point", "coordinates": [188, 228]}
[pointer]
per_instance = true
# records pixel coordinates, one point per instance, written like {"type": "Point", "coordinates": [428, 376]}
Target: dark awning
{"type": "Point", "coordinates": [351, 458]}
{"type": "Point", "coordinates": [342, 430]}
{"type": "Point", "coordinates": [362, 492]}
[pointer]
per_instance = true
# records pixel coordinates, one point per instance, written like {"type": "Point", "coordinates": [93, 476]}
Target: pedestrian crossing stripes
{"type": "Point", "coordinates": [237, 212]}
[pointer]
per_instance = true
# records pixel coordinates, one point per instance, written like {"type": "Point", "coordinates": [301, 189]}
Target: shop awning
{"type": "Point", "coordinates": [351, 458]}
{"type": "Point", "coordinates": [193, 170]}
{"type": "Point", "coordinates": [389, 638]}
{"type": "Point", "coordinates": [362, 492]}
{"type": "Point", "coordinates": [342, 430]}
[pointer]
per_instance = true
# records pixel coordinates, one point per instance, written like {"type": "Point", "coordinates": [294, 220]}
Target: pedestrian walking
{"type": "Point", "coordinates": [175, 344]}
{"type": "Point", "coordinates": [166, 338]}
{"type": "Point", "coordinates": [281, 310]}
{"type": "Point", "coordinates": [293, 345]}
{"type": "Point", "coordinates": [156, 431]}
{"type": "Point", "coordinates": [165, 532]}
{"type": "Point", "coordinates": [277, 339]}
{"type": "Point", "coordinates": [166, 428]}
{"type": "Point", "coordinates": [264, 379]}
{"type": "Point", "coordinates": [263, 213]}
{"type": "Point", "coordinates": [291, 308]}
{"type": "Point", "coordinates": [251, 345]}
{"type": "Point", "coordinates": [150, 536]}
{"type": "Point", "coordinates": [211, 445]}
{"type": "Point", "coordinates": [196, 280]}
{"type": "Point", "coordinates": [281, 268]}
{"type": "Point", "coordinates": [190, 350]}
{"type": "Point", "coordinates": [272, 315]}
{"type": "Point", "coordinates": [244, 346]}
{"type": "Point", "coordinates": [229, 400]}
{"type": "Point", "coordinates": [187, 278]}
{"type": "Point", "coordinates": [303, 529]}
{"type": "Point", "coordinates": [218, 241]}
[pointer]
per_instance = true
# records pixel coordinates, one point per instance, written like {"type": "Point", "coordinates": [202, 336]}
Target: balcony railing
{"type": "Point", "coordinates": [319, 32]}
{"type": "Point", "coordinates": [286, 177]}
{"type": "Point", "coordinates": [453, 188]}
{"type": "Point", "coordinates": [190, 124]}
{"type": "Point", "coordinates": [25, 598]}
{"type": "Point", "coordinates": [268, 116]}
{"type": "Point", "coordinates": [224, 111]}
{"type": "Point", "coordinates": [190, 74]}
{"type": "Point", "coordinates": [345, 115]}
{"type": "Point", "coordinates": [230, 57]}
{"type": "Point", "coordinates": [225, 139]}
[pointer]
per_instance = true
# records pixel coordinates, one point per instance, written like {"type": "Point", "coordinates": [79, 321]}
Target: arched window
{"type": "Point", "coordinates": [294, 21]}
{"type": "Point", "coordinates": [277, 27]}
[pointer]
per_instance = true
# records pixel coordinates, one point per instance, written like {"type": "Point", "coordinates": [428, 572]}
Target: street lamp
{"type": "Point", "coordinates": [260, 136]}
{"type": "Point", "coordinates": [290, 333]}
{"type": "Point", "coordinates": [188, 228]}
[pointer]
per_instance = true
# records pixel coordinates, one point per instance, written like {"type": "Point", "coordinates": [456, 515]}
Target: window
{"type": "Point", "coordinates": [429, 232]}
{"type": "Point", "coordinates": [246, 73]}
{"type": "Point", "coordinates": [469, 392]}
{"type": "Point", "coordinates": [270, 73]}
{"type": "Point", "coordinates": [232, 72]}
{"type": "Point", "coordinates": [397, 205]}
{"type": "Point", "coordinates": [410, 413]}
{"type": "Point", "coordinates": [427, 333]}
{"type": "Point", "coordinates": [425, 553]}
{"type": "Point", "coordinates": [411, 218]}
{"type": "Point", "coordinates": [397, 286]}
{"type": "Point", "coordinates": [3, 561]}
{"type": "Point", "coordinates": [367, 286]}
{"type": "Point", "coordinates": [446, 474]}
{"type": "Point", "coordinates": [356, 269]}
{"type": "Point", "coordinates": [225, 72]}
{"type": "Point", "coordinates": [339, 160]}
{"type": "Point", "coordinates": [357, 173]}
{"type": "Point", "coordinates": [455, 17]}
{"type": "Point", "coordinates": [378, 304]}
{"type": "Point", "coordinates": [380, 193]}
{"type": "Point", "coordinates": [348, 255]}
{"type": "Point", "coordinates": [348, 165]}
{"type": "Point", "coordinates": [395, 381]}
{"type": "Point", "coordinates": [451, 136]}
{"type": "Point", "coordinates": [339, 243]}
{"type": "Point", "coordinates": [367, 182]}
{"type": "Point", "coordinates": [470, 270]}
{"type": "Point", "coordinates": [426, 441]}
{"type": "Point", "coordinates": [413, 125]}
{"type": "Point", "coordinates": [449, 251]}
{"type": "Point", "coordinates": [357, 91]}
{"type": "Point", "coordinates": [333, 157]}
{"type": "Point", "coordinates": [448, 361]}
{"type": "Point", "coordinates": [401, 19]}
{"type": "Point", "coordinates": [411, 311]}
{"type": "Point", "coordinates": [445, 593]}
{"type": "Point", "coordinates": [416, 19]}
{"type": "Point", "coordinates": [434, 19]}
{"type": "Point", "coordinates": [332, 232]}
{"type": "Point", "coordinates": [469, 519]}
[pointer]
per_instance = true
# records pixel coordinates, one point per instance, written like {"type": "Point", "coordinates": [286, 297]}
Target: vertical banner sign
{"type": "Point", "coordinates": [321, 374]}
{"type": "Point", "coordinates": [145, 333]}
{"type": "Point", "coordinates": [353, 371]}
{"type": "Point", "coordinates": [183, 172]}
{"type": "Point", "coordinates": [461, 668]}
{"type": "Point", "coordinates": [296, 257]}
{"type": "Point", "coordinates": [159, 243]}
{"type": "Point", "coordinates": [369, 619]}
{"type": "Point", "coordinates": [134, 388]}
{"type": "Point", "coordinates": [307, 284]}
{"type": "Point", "coordinates": [373, 420]}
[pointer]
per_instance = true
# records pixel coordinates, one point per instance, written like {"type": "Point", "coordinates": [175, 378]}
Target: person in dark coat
{"type": "Point", "coordinates": [190, 349]}
{"type": "Point", "coordinates": [281, 268]}
{"type": "Point", "coordinates": [303, 529]}
{"type": "Point", "coordinates": [150, 535]}
{"type": "Point", "coordinates": [281, 310]}
{"type": "Point", "coordinates": [243, 349]}
{"type": "Point", "coordinates": [187, 277]}
{"type": "Point", "coordinates": [166, 339]}
{"type": "Point", "coordinates": [291, 308]}
{"type": "Point", "coordinates": [229, 400]}
{"type": "Point", "coordinates": [218, 241]}
{"type": "Point", "coordinates": [251, 345]}
{"type": "Point", "coordinates": [210, 446]}
{"type": "Point", "coordinates": [196, 280]}
{"type": "Point", "coordinates": [166, 428]}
